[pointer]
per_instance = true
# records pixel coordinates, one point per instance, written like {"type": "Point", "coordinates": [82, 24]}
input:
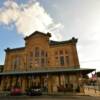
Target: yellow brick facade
{"type": "Point", "coordinates": [41, 53]}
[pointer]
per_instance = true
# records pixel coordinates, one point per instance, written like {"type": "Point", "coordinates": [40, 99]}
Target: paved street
{"type": "Point", "coordinates": [50, 98]}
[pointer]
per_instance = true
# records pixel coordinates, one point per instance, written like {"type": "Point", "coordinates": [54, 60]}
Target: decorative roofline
{"type": "Point", "coordinates": [37, 32]}
{"type": "Point", "coordinates": [14, 49]}
{"type": "Point", "coordinates": [51, 42]}
{"type": "Point", "coordinates": [73, 40]}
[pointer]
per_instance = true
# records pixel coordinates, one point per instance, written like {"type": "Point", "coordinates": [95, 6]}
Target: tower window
{"type": "Point", "coordinates": [36, 52]}
{"type": "Point", "coordinates": [42, 53]}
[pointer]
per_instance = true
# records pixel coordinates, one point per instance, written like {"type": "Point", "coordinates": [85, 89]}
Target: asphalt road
{"type": "Point", "coordinates": [49, 98]}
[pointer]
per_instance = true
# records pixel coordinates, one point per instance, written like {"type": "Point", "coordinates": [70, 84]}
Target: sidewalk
{"type": "Point", "coordinates": [66, 94]}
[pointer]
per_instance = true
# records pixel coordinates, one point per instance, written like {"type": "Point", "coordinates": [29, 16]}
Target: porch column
{"type": "Point", "coordinates": [8, 82]}
{"type": "Point", "coordinates": [59, 77]}
{"type": "Point", "coordinates": [23, 84]}
{"type": "Point", "coordinates": [50, 86]}
{"type": "Point", "coordinates": [80, 82]}
{"type": "Point", "coordinates": [2, 84]}
{"type": "Point", "coordinates": [13, 81]}
{"type": "Point", "coordinates": [30, 81]}
{"type": "Point", "coordinates": [55, 83]}
{"type": "Point", "coordinates": [19, 81]}
{"type": "Point", "coordinates": [27, 82]}
{"type": "Point", "coordinates": [66, 80]}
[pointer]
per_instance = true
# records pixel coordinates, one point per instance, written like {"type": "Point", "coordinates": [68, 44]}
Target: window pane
{"type": "Point", "coordinates": [67, 60]}
{"type": "Point", "coordinates": [42, 61]}
{"type": "Point", "coordinates": [31, 54]}
{"type": "Point", "coordinates": [42, 53]}
{"type": "Point", "coordinates": [36, 52]}
{"type": "Point", "coordinates": [16, 62]}
{"type": "Point", "coordinates": [37, 62]}
{"type": "Point", "coordinates": [62, 60]}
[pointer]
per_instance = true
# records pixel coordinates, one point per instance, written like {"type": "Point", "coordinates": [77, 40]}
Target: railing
{"type": "Point", "coordinates": [96, 87]}
{"type": "Point", "coordinates": [4, 93]}
{"type": "Point", "coordinates": [93, 90]}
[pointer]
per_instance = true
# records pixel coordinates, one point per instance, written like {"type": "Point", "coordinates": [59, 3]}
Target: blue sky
{"type": "Point", "coordinates": [63, 18]}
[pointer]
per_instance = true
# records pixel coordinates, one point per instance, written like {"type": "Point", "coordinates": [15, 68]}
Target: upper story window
{"type": "Point", "coordinates": [61, 52]}
{"type": "Point", "coordinates": [38, 57]}
{"type": "Point", "coordinates": [62, 60]}
{"type": "Point", "coordinates": [42, 53]}
{"type": "Point", "coordinates": [31, 54]}
{"type": "Point", "coordinates": [67, 60]}
{"type": "Point", "coordinates": [37, 62]}
{"type": "Point", "coordinates": [37, 52]}
{"type": "Point", "coordinates": [16, 63]}
{"type": "Point", "coordinates": [42, 62]}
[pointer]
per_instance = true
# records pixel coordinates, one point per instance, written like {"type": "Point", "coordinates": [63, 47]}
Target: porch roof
{"type": "Point", "coordinates": [57, 70]}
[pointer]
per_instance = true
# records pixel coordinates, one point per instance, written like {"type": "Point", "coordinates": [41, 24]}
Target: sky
{"type": "Point", "coordinates": [63, 18]}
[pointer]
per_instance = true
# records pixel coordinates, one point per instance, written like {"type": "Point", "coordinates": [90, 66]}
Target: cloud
{"type": "Point", "coordinates": [81, 19]}
{"type": "Point", "coordinates": [28, 18]}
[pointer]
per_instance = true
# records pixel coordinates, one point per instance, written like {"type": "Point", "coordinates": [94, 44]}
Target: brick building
{"type": "Point", "coordinates": [54, 65]}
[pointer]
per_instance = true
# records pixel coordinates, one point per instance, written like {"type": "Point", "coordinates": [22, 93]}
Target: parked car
{"type": "Point", "coordinates": [35, 90]}
{"type": "Point", "coordinates": [16, 91]}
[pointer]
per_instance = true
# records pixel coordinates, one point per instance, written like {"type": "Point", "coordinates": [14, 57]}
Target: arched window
{"type": "Point", "coordinates": [42, 53]}
{"type": "Point", "coordinates": [42, 61]}
{"type": "Point", "coordinates": [31, 54]}
{"type": "Point", "coordinates": [40, 57]}
{"type": "Point", "coordinates": [37, 52]}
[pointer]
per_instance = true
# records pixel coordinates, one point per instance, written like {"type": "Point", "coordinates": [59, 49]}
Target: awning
{"type": "Point", "coordinates": [57, 70]}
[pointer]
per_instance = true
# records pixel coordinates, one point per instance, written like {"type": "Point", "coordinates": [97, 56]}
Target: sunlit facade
{"type": "Point", "coordinates": [53, 65]}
